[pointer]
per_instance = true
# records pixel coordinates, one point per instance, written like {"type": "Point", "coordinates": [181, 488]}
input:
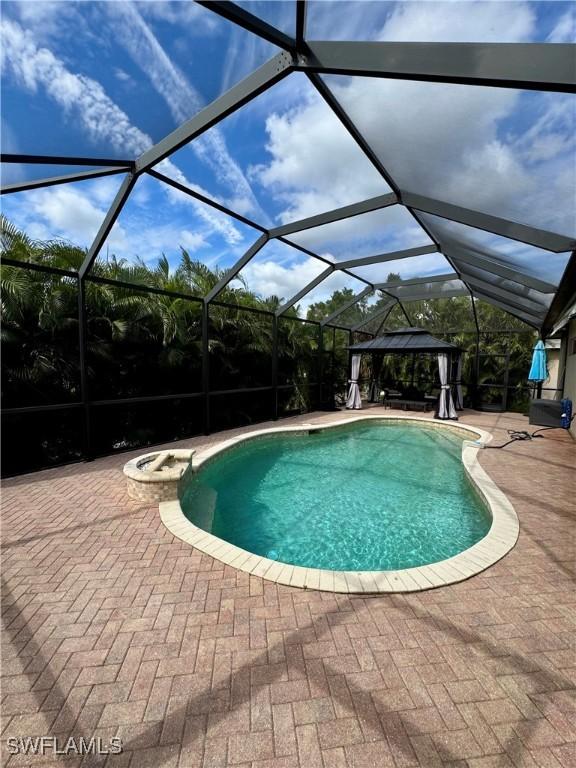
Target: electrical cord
{"type": "Point", "coordinates": [516, 436]}
{"type": "Point", "coordinates": [521, 435]}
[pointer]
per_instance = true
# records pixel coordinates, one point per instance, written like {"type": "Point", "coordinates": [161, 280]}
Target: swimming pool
{"type": "Point", "coordinates": [364, 497]}
{"type": "Point", "coordinates": [369, 504]}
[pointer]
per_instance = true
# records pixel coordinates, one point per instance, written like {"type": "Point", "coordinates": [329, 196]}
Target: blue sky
{"type": "Point", "coordinates": [110, 79]}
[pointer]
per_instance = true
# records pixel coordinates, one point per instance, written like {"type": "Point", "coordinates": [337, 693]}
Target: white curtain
{"type": "Point", "coordinates": [354, 400]}
{"type": "Point", "coordinates": [459, 395]}
{"type": "Point", "coordinates": [446, 408]}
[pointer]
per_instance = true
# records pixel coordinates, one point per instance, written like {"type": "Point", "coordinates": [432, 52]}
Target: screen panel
{"type": "Point", "coordinates": [298, 353]}
{"type": "Point", "coordinates": [500, 151]}
{"type": "Point", "coordinates": [437, 21]}
{"type": "Point", "coordinates": [492, 318]}
{"type": "Point", "coordinates": [431, 290]}
{"type": "Point", "coordinates": [294, 400]}
{"type": "Point", "coordinates": [279, 13]}
{"type": "Point", "coordinates": [40, 339]}
{"type": "Point", "coordinates": [32, 441]}
{"type": "Point", "coordinates": [404, 269]}
{"type": "Point", "coordinates": [110, 79]}
{"type": "Point", "coordinates": [240, 348]}
{"type": "Point", "coordinates": [275, 274]}
{"type": "Point", "coordinates": [240, 409]}
{"type": "Point", "coordinates": [282, 157]}
{"type": "Point", "coordinates": [473, 275]}
{"type": "Point", "coordinates": [382, 231]}
{"type": "Point", "coordinates": [375, 318]}
{"type": "Point", "coordinates": [525, 259]}
{"type": "Point", "coordinates": [508, 299]}
{"type": "Point", "coordinates": [166, 239]}
{"type": "Point", "coordinates": [54, 225]}
{"type": "Point", "coordinates": [508, 308]}
{"type": "Point", "coordinates": [397, 319]}
{"type": "Point", "coordinates": [329, 295]}
{"type": "Point", "coordinates": [126, 426]}
{"type": "Point", "coordinates": [442, 315]}
{"type": "Point", "coordinates": [141, 344]}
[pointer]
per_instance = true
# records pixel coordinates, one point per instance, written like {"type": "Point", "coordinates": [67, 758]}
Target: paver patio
{"type": "Point", "coordinates": [112, 627]}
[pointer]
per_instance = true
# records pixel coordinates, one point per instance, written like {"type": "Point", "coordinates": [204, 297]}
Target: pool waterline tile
{"type": "Point", "coordinates": [498, 541]}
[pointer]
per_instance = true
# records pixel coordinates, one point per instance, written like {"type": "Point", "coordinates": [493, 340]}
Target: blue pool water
{"type": "Point", "coordinates": [368, 496]}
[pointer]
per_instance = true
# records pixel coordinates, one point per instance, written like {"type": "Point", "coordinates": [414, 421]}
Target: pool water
{"type": "Point", "coordinates": [368, 496]}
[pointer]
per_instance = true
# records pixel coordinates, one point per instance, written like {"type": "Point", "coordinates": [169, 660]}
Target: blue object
{"type": "Point", "coordinates": [539, 367]}
{"type": "Point", "coordinates": [361, 497]}
{"type": "Point", "coordinates": [566, 418]}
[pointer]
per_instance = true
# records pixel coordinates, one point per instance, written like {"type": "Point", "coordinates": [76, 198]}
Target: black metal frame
{"type": "Point", "coordinates": [87, 404]}
{"type": "Point", "coordinates": [527, 66]}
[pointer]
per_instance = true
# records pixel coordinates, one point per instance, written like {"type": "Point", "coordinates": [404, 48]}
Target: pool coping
{"type": "Point", "coordinates": [499, 540]}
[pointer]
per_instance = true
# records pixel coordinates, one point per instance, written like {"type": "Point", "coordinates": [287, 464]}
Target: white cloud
{"type": "Point", "coordinates": [74, 212]}
{"type": "Point", "coordinates": [430, 136]}
{"type": "Point", "coordinates": [191, 241]}
{"type": "Point", "coordinates": [45, 19]}
{"type": "Point", "coordinates": [565, 29]}
{"type": "Point", "coordinates": [335, 20]}
{"type": "Point", "coordinates": [104, 122]}
{"type": "Point", "coordinates": [243, 54]}
{"type": "Point", "coordinates": [552, 133]}
{"type": "Point", "coordinates": [102, 190]}
{"type": "Point", "coordinates": [524, 258]}
{"type": "Point", "coordinates": [440, 140]}
{"type": "Point", "coordinates": [425, 21]}
{"type": "Point", "coordinates": [123, 76]}
{"type": "Point", "coordinates": [270, 278]}
{"type": "Point", "coordinates": [415, 266]}
{"type": "Point", "coordinates": [81, 97]}
{"type": "Point", "coordinates": [491, 149]}
{"type": "Point", "coordinates": [547, 146]}
{"type": "Point", "coordinates": [458, 143]}
{"type": "Point", "coordinates": [381, 231]}
{"type": "Point", "coordinates": [181, 97]}
{"type": "Point", "coordinates": [136, 36]}
{"type": "Point", "coordinates": [315, 165]}
{"type": "Point", "coordinates": [445, 140]}
{"type": "Point", "coordinates": [71, 212]}
{"type": "Point", "coordinates": [196, 18]}
{"type": "Point", "coordinates": [218, 222]}
{"type": "Point", "coordinates": [449, 22]}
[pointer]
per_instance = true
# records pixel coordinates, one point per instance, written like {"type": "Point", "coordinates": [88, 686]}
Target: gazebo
{"type": "Point", "coordinates": [410, 341]}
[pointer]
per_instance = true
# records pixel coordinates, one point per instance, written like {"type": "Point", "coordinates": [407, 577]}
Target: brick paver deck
{"type": "Point", "coordinates": [114, 628]}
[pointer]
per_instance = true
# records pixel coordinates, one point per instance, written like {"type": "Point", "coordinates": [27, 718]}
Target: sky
{"type": "Point", "coordinates": [110, 79]}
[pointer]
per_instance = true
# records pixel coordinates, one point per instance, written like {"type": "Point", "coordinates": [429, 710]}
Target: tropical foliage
{"type": "Point", "coordinates": [142, 343]}
{"type": "Point", "coordinates": [506, 345]}
{"type": "Point", "coordinates": [147, 341]}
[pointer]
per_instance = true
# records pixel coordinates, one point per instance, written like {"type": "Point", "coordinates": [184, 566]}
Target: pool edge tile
{"type": "Point", "coordinates": [501, 538]}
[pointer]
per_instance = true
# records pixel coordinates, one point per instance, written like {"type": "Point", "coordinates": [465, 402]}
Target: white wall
{"type": "Point", "coordinates": [554, 359]}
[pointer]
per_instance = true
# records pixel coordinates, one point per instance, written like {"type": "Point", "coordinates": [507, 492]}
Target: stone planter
{"type": "Point", "coordinates": [155, 476]}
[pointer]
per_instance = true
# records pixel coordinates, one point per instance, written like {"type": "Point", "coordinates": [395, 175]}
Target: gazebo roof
{"type": "Point", "coordinates": [404, 340]}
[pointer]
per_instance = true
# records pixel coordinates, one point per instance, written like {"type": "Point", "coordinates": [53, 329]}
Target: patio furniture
{"type": "Point", "coordinates": [409, 405]}
{"type": "Point", "coordinates": [390, 394]}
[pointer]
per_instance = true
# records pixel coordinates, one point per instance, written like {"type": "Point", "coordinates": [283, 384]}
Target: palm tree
{"type": "Point", "coordinates": [138, 343]}
{"type": "Point", "coordinates": [141, 343]}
